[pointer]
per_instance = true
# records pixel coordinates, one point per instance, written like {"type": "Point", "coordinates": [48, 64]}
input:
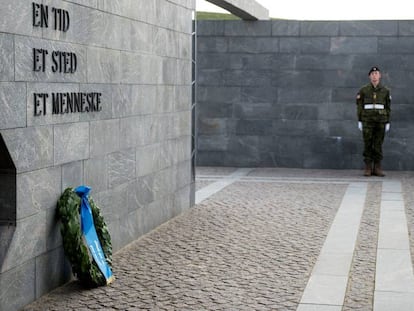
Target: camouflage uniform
{"type": "Point", "coordinates": [373, 107]}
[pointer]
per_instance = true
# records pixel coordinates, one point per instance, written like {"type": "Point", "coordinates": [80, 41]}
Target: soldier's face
{"type": "Point", "coordinates": [375, 77]}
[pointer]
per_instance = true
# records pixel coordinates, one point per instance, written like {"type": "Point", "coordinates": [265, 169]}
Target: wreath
{"type": "Point", "coordinates": [83, 265]}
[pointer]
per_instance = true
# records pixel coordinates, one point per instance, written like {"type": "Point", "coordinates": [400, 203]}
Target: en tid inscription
{"type": "Point", "coordinates": [41, 17]}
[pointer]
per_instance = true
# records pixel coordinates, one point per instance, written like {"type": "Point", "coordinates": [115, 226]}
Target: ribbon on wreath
{"type": "Point", "coordinates": [90, 235]}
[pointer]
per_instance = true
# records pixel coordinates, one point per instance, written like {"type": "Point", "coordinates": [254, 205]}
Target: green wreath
{"type": "Point", "coordinates": [83, 265]}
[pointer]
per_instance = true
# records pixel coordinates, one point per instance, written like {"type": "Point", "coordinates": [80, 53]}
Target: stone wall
{"type": "Point", "coordinates": [130, 140]}
{"type": "Point", "coordinates": [282, 93]}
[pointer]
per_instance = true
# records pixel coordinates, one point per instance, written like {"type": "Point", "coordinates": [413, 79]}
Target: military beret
{"type": "Point", "coordinates": [373, 69]}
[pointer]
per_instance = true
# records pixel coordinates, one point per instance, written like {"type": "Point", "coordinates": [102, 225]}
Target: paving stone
{"type": "Point", "coordinates": [250, 246]}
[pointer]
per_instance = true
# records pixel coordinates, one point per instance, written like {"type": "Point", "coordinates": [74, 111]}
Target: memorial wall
{"type": "Point", "coordinates": [94, 92]}
{"type": "Point", "coordinates": [282, 93]}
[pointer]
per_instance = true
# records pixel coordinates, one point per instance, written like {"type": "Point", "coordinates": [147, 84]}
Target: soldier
{"type": "Point", "coordinates": [373, 107]}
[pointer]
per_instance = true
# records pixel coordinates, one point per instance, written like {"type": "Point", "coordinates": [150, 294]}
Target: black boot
{"type": "Point", "coordinates": [368, 168]}
{"type": "Point", "coordinates": [378, 170]}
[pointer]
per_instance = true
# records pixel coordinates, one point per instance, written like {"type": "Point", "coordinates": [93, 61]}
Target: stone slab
{"type": "Point", "coordinates": [17, 287]}
{"type": "Point", "coordinates": [30, 148]}
{"type": "Point", "coordinates": [71, 142]}
{"type": "Point", "coordinates": [316, 307]}
{"type": "Point", "coordinates": [51, 271]}
{"type": "Point", "coordinates": [6, 57]}
{"type": "Point", "coordinates": [18, 23]}
{"type": "Point", "coordinates": [333, 264]}
{"type": "Point", "coordinates": [104, 137]}
{"type": "Point", "coordinates": [394, 271]}
{"type": "Point", "coordinates": [325, 290]}
{"type": "Point", "coordinates": [24, 61]}
{"type": "Point", "coordinates": [72, 174]}
{"type": "Point", "coordinates": [37, 191]}
{"type": "Point", "coordinates": [401, 301]}
{"type": "Point", "coordinates": [393, 232]}
{"type": "Point", "coordinates": [29, 241]}
{"type": "Point", "coordinates": [13, 104]}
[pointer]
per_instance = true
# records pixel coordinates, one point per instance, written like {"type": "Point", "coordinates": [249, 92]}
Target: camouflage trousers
{"type": "Point", "coordinates": [373, 133]}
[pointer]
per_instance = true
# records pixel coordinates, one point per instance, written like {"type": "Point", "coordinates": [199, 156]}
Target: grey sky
{"type": "Point", "coordinates": [330, 9]}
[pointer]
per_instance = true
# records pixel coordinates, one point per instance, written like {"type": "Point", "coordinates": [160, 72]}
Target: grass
{"type": "Point", "coordinates": [216, 16]}
{"type": "Point", "coordinates": [222, 16]}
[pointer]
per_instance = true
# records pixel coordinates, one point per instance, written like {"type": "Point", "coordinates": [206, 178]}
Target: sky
{"type": "Point", "coordinates": [329, 9]}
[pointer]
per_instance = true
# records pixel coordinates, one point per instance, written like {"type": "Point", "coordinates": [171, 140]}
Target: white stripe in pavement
{"type": "Point", "coordinates": [213, 188]}
{"type": "Point", "coordinates": [282, 180]}
{"type": "Point", "coordinates": [394, 280]}
{"type": "Point", "coordinates": [327, 284]}
{"type": "Point", "coordinates": [310, 180]}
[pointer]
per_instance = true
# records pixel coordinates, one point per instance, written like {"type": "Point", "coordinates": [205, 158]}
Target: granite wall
{"type": "Point", "coordinates": [282, 93]}
{"type": "Point", "coordinates": [94, 92]}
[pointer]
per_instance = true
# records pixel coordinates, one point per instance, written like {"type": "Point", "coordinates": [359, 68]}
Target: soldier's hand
{"type": "Point", "coordinates": [360, 125]}
{"type": "Point", "coordinates": [387, 127]}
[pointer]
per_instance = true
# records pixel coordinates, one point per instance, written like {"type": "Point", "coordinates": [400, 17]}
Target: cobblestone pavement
{"type": "Point", "coordinates": [250, 246]}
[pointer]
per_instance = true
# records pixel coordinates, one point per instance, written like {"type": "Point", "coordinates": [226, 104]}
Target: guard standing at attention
{"type": "Point", "coordinates": [374, 107]}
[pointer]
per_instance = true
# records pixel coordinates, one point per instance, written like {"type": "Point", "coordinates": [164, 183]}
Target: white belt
{"type": "Point", "coordinates": [374, 106]}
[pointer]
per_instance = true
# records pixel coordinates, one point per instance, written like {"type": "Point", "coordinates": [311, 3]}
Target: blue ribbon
{"type": "Point", "coordinates": [89, 232]}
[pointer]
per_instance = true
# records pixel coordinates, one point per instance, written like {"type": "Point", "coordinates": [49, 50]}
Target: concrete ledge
{"type": "Point", "coordinates": [245, 9]}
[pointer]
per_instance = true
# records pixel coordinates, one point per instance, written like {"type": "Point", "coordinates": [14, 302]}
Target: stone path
{"type": "Point", "coordinates": [269, 239]}
{"type": "Point", "coordinates": [394, 285]}
{"type": "Point", "coordinates": [329, 278]}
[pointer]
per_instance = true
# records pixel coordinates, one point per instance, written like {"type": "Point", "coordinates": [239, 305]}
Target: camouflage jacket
{"type": "Point", "coordinates": [374, 104]}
